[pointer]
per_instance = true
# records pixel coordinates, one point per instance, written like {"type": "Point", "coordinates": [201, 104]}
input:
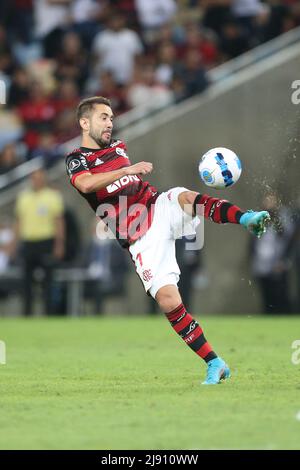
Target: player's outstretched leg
{"type": "Point", "coordinates": [170, 302]}
{"type": "Point", "coordinates": [222, 212]}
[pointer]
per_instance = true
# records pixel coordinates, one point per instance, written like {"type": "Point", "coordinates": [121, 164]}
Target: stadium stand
{"type": "Point", "coordinates": [52, 54]}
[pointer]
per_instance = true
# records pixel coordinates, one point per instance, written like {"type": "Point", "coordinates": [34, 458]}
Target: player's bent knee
{"type": "Point", "coordinates": [186, 200]}
{"type": "Point", "coordinates": [168, 298]}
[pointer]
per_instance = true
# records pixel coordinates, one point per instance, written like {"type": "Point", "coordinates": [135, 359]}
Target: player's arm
{"type": "Point", "coordinates": [87, 182]}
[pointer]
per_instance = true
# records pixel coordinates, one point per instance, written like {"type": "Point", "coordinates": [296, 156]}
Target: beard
{"type": "Point", "coordinates": [98, 139]}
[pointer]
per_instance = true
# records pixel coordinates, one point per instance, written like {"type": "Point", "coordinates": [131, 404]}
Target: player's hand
{"type": "Point", "coordinates": [141, 168]}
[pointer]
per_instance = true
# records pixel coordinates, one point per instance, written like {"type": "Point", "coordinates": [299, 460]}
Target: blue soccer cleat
{"type": "Point", "coordinates": [217, 370]}
{"type": "Point", "coordinates": [256, 222]}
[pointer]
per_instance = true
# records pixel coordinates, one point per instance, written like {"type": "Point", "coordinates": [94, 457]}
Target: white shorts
{"type": "Point", "coordinates": [154, 253]}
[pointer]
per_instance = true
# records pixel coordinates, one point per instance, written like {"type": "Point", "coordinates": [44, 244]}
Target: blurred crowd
{"type": "Point", "coordinates": [142, 54]}
{"type": "Point", "coordinates": [42, 250]}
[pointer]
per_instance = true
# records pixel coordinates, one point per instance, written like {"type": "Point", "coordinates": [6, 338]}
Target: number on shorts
{"type": "Point", "coordinates": [139, 258]}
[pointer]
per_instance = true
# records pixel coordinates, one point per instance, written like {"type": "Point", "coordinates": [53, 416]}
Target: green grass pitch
{"type": "Point", "coordinates": [131, 383]}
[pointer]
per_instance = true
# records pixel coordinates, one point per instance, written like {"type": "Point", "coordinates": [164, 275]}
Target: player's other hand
{"type": "Point", "coordinates": [141, 168]}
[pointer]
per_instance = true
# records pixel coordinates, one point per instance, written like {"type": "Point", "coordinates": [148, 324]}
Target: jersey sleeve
{"type": "Point", "coordinates": [76, 164]}
{"type": "Point", "coordinates": [125, 151]}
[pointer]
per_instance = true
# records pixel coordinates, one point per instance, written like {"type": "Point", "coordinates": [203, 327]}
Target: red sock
{"type": "Point", "coordinates": [217, 210]}
{"type": "Point", "coordinates": [190, 331]}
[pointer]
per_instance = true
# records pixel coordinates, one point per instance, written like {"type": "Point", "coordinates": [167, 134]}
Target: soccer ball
{"type": "Point", "coordinates": [220, 168]}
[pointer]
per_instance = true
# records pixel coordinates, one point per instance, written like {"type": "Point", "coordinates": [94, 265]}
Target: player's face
{"type": "Point", "coordinates": [101, 125]}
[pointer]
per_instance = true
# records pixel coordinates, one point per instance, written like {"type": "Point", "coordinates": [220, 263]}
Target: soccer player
{"type": "Point", "coordinates": [147, 222]}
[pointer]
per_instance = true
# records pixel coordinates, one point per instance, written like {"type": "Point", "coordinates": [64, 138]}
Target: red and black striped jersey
{"type": "Point", "coordinates": [127, 204]}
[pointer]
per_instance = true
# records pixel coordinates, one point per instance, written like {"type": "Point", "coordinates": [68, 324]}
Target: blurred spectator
{"type": "Point", "coordinates": [278, 13]}
{"type": "Point", "coordinates": [178, 88]}
{"type": "Point", "coordinates": [50, 15]}
{"type": "Point", "coordinates": [11, 128]}
{"type": "Point", "coordinates": [270, 257]}
{"type": "Point", "coordinates": [66, 96]}
{"type": "Point", "coordinates": [72, 258]}
{"type": "Point", "coordinates": [21, 20]}
{"type": "Point", "coordinates": [116, 48]}
{"type": "Point", "coordinates": [116, 94]}
{"type": "Point", "coordinates": [37, 112]}
{"type": "Point", "coordinates": [6, 244]}
{"type": "Point", "coordinates": [152, 14]}
{"type": "Point", "coordinates": [87, 11]}
{"type": "Point", "coordinates": [19, 88]}
{"type": "Point", "coordinates": [170, 32]}
{"type": "Point", "coordinates": [88, 17]}
{"type": "Point", "coordinates": [128, 10]}
{"type": "Point", "coordinates": [202, 40]}
{"type": "Point", "coordinates": [40, 230]}
{"type": "Point", "coordinates": [246, 12]}
{"type": "Point", "coordinates": [64, 128]}
{"type": "Point", "coordinates": [9, 158]}
{"type": "Point", "coordinates": [234, 41]}
{"type": "Point", "coordinates": [72, 60]}
{"type": "Point", "coordinates": [7, 63]}
{"type": "Point", "coordinates": [42, 72]}
{"type": "Point", "coordinates": [106, 264]}
{"type": "Point", "coordinates": [73, 242]}
{"type": "Point", "coordinates": [215, 14]}
{"type": "Point", "coordinates": [5, 46]}
{"type": "Point", "coordinates": [167, 63]}
{"type": "Point", "coordinates": [189, 261]}
{"type": "Point", "coordinates": [145, 92]}
{"type": "Point", "coordinates": [47, 148]}
{"type": "Point", "coordinates": [6, 257]}
{"type": "Point", "coordinates": [193, 74]}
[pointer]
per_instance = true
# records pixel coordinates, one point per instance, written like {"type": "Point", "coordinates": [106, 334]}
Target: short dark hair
{"type": "Point", "coordinates": [86, 106]}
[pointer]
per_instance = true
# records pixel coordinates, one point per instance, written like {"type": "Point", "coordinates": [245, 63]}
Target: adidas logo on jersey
{"type": "Point", "coordinates": [118, 184]}
{"type": "Point", "coordinates": [98, 162]}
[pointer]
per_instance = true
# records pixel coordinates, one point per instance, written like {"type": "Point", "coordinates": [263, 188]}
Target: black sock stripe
{"type": "Point", "coordinates": [224, 211]}
{"type": "Point", "coordinates": [238, 215]}
{"type": "Point", "coordinates": [198, 343]}
{"type": "Point", "coordinates": [211, 355]}
{"type": "Point", "coordinates": [188, 329]}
